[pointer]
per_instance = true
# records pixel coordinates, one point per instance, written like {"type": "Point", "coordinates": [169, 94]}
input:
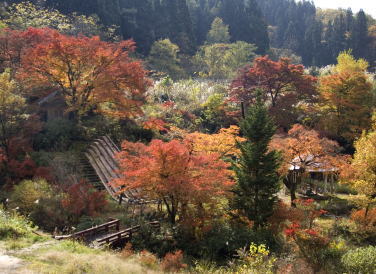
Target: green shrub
{"type": "Point", "coordinates": [57, 135]}
{"type": "Point", "coordinates": [86, 222]}
{"type": "Point", "coordinates": [14, 226]}
{"type": "Point", "coordinates": [337, 206]}
{"type": "Point", "coordinates": [50, 214]}
{"type": "Point", "coordinates": [345, 189]}
{"type": "Point", "coordinates": [360, 260]}
{"type": "Point", "coordinates": [353, 232]}
{"type": "Point", "coordinates": [222, 241]}
{"type": "Point", "coordinates": [28, 193]}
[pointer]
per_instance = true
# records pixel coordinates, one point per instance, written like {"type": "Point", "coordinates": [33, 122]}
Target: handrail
{"type": "Point", "coordinates": [106, 227]}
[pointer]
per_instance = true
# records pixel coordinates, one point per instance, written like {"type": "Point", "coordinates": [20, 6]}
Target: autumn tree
{"type": "Point", "coordinates": [12, 111]}
{"type": "Point", "coordinates": [14, 43]}
{"type": "Point", "coordinates": [346, 100]}
{"type": "Point", "coordinates": [257, 168]}
{"type": "Point", "coordinates": [284, 86]}
{"type": "Point", "coordinates": [223, 143]}
{"type": "Point", "coordinates": [89, 73]}
{"type": "Point", "coordinates": [304, 149]}
{"type": "Point", "coordinates": [17, 128]}
{"type": "Point", "coordinates": [362, 172]}
{"type": "Point", "coordinates": [185, 181]}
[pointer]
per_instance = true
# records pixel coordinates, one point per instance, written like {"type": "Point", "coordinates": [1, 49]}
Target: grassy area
{"type": "Point", "coordinates": [17, 232]}
{"type": "Point", "coordinates": [72, 257]}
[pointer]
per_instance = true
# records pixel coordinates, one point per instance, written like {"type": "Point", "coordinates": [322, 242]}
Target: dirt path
{"type": "Point", "coordinates": [10, 264]}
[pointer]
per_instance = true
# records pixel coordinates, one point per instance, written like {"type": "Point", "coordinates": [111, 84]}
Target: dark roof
{"type": "Point", "coordinates": [48, 98]}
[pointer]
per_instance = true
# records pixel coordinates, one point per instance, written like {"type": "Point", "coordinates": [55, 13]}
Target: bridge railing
{"type": "Point", "coordinates": [114, 224]}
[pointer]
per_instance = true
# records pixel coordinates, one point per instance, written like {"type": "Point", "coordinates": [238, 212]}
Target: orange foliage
{"type": "Point", "coordinates": [127, 251]}
{"type": "Point", "coordinates": [89, 73]}
{"type": "Point", "coordinates": [368, 220]}
{"type": "Point", "coordinates": [155, 124]}
{"type": "Point", "coordinates": [345, 100]}
{"type": "Point", "coordinates": [14, 43]}
{"type": "Point", "coordinates": [303, 148]}
{"type": "Point", "coordinates": [148, 259]}
{"type": "Point", "coordinates": [173, 173]}
{"type": "Point", "coordinates": [223, 143]}
{"type": "Point", "coordinates": [173, 262]}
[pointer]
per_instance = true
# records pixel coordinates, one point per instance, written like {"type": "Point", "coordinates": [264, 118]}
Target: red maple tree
{"type": "Point", "coordinates": [283, 85]}
{"type": "Point", "coordinates": [89, 73]}
{"type": "Point", "coordinates": [172, 172]}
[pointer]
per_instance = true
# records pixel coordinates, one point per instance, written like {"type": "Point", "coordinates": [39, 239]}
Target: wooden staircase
{"type": "Point", "coordinates": [101, 157]}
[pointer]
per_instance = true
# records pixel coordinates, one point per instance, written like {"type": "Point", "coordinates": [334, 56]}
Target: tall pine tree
{"type": "Point", "coordinates": [256, 170]}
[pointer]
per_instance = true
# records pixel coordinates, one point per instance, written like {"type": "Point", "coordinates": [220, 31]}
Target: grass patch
{"type": "Point", "coordinates": [72, 257]}
{"type": "Point", "coordinates": [16, 232]}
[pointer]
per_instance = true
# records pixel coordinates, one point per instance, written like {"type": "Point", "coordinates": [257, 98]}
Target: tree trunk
{"type": "Point", "coordinates": [293, 196]}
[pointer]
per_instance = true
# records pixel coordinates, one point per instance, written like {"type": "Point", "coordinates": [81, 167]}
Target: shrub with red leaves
{"type": "Point", "coordinates": [173, 262]}
{"type": "Point", "coordinates": [83, 199]}
{"type": "Point", "coordinates": [310, 242]}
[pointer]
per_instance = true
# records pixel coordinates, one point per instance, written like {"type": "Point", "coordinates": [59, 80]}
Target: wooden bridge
{"type": "Point", "coordinates": [106, 234]}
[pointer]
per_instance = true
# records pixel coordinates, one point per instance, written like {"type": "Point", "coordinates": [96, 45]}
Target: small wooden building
{"type": "Point", "coordinates": [52, 107]}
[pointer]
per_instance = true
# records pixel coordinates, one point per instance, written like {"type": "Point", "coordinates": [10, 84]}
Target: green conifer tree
{"type": "Point", "coordinates": [256, 170]}
{"type": "Point", "coordinates": [218, 32]}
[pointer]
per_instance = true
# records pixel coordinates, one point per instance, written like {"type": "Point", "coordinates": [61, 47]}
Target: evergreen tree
{"type": "Point", "coordinates": [256, 170]}
{"type": "Point", "coordinates": [218, 32]}
{"type": "Point", "coordinates": [360, 35]}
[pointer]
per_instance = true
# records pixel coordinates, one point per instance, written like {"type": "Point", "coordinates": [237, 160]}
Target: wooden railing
{"type": "Point", "coordinates": [105, 228]}
{"type": "Point", "coordinates": [114, 224]}
{"type": "Point", "coordinates": [124, 234]}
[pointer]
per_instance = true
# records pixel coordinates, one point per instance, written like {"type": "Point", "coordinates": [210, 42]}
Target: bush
{"type": "Point", "coordinates": [366, 222]}
{"type": "Point", "coordinates": [57, 135]}
{"type": "Point", "coordinates": [173, 262]}
{"type": "Point", "coordinates": [361, 260]}
{"type": "Point", "coordinates": [127, 251]}
{"type": "Point", "coordinates": [222, 241]}
{"type": "Point", "coordinates": [28, 193]}
{"type": "Point", "coordinates": [255, 260]}
{"type": "Point", "coordinates": [14, 226]}
{"type": "Point", "coordinates": [152, 240]}
{"type": "Point", "coordinates": [355, 229]}
{"type": "Point", "coordinates": [344, 189]}
{"type": "Point", "coordinates": [284, 214]}
{"type": "Point", "coordinates": [50, 215]}
{"type": "Point", "coordinates": [84, 199]}
{"type": "Point", "coordinates": [148, 259]}
{"type": "Point", "coordinates": [337, 206]}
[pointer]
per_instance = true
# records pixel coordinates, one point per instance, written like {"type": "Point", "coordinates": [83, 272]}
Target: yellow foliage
{"type": "Point", "coordinates": [347, 63]}
{"type": "Point", "coordinates": [364, 167]}
{"type": "Point", "coordinates": [224, 142]}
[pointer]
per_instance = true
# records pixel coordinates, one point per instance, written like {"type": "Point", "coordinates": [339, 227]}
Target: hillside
{"type": "Point", "coordinates": [225, 137]}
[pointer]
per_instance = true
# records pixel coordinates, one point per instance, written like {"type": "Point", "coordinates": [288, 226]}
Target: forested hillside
{"type": "Point", "coordinates": [185, 23]}
{"type": "Point", "coordinates": [317, 36]}
{"type": "Point", "coordinates": [301, 27]}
